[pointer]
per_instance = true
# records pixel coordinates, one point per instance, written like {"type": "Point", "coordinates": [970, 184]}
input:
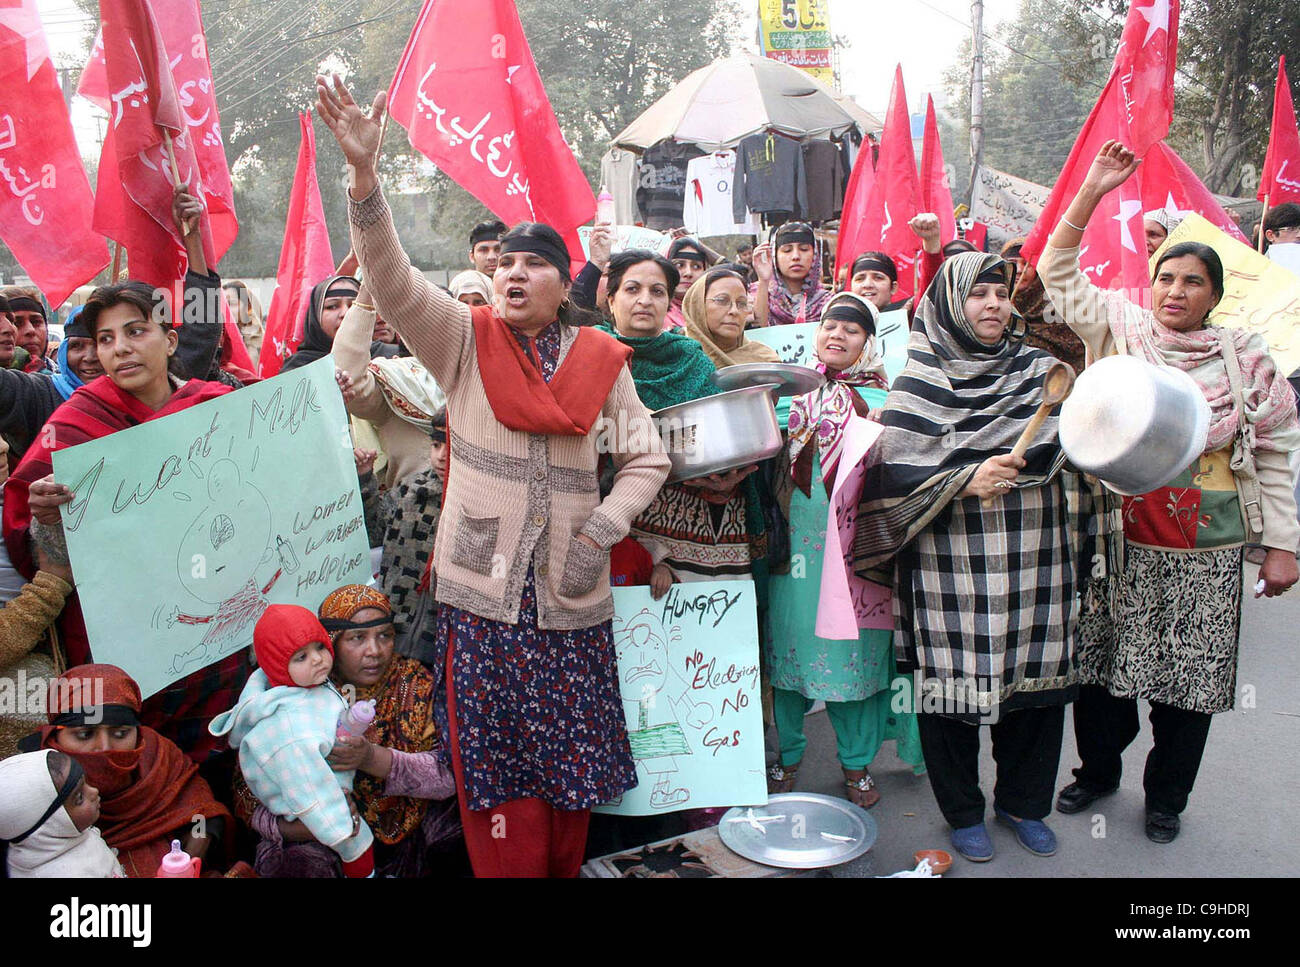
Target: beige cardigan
{"type": "Point", "coordinates": [405, 444]}
{"type": "Point", "coordinates": [1087, 310]}
{"type": "Point", "coordinates": [512, 498]}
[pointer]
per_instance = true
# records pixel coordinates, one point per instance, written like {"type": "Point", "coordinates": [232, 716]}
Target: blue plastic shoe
{"type": "Point", "coordinates": [1032, 834]}
{"type": "Point", "coordinates": [973, 843]}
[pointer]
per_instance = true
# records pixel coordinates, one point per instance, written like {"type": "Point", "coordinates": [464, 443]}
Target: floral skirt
{"type": "Point", "coordinates": [538, 712]}
{"type": "Point", "coordinates": [1168, 630]}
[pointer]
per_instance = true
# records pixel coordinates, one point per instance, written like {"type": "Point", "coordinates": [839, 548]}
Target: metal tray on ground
{"type": "Point", "coordinates": [791, 380]}
{"type": "Point", "coordinates": [793, 824]}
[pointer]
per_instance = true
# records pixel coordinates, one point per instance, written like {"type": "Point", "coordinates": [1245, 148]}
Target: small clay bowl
{"type": "Point", "coordinates": [940, 861]}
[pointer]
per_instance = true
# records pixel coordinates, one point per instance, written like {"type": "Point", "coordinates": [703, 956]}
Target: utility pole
{"type": "Point", "coordinates": [976, 95]}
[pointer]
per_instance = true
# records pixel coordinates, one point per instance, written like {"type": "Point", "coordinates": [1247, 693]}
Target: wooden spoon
{"type": "Point", "coordinates": [1057, 385]}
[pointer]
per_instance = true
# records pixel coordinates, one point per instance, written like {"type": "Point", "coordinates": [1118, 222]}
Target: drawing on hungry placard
{"type": "Point", "coordinates": [643, 648]}
{"type": "Point", "coordinates": [218, 560]}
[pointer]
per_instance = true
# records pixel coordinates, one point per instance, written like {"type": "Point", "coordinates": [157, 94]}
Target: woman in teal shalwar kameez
{"type": "Point", "coordinates": [856, 679]}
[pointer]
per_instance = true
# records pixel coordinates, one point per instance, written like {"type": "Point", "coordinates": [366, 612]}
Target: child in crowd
{"type": "Point", "coordinates": [47, 820]}
{"type": "Point", "coordinates": [284, 726]}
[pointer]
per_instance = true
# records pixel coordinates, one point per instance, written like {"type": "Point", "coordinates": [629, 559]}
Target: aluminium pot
{"type": "Point", "coordinates": [715, 434]}
{"type": "Point", "coordinates": [1134, 425]}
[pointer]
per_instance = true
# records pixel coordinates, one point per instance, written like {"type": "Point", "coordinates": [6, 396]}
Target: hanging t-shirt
{"type": "Point", "coordinates": [618, 173]}
{"type": "Point", "coordinates": [709, 197]}
{"type": "Point", "coordinates": [661, 194]}
{"type": "Point", "coordinates": [769, 176]}
{"type": "Point", "coordinates": [825, 178]}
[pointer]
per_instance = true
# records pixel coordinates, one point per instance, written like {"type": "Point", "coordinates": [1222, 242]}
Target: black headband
{"type": "Point", "coordinates": [995, 275]}
{"type": "Point", "coordinates": [685, 248]}
{"type": "Point", "coordinates": [23, 303]}
{"type": "Point", "coordinates": [485, 233]}
{"type": "Point", "coordinates": [75, 774]}
{"type": "Point", "coordinates": [438, 434]}
{"type": "Point", "coordinates": [336, 293]}
{"type": "Point", "coordinates": [334, 625]}
{"type": "Point", "coordinates": [555, 254]}
{"type": "Point", "coordinates": [792, 233]}
{"type": "Point", "coordinates": [103, 715]}
{"type": "Point", "coordinates": [847, 311]}
{"type": "Point", "coordinates": [875, 263]}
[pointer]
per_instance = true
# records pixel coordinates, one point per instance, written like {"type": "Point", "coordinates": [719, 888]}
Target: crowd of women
{"type": "Point", "coordinates": [486, 647]}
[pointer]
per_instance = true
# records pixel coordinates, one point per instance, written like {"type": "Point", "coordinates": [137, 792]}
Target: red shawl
{"type": "Point", "coordinates": [522, 399]}
{"type": "Point", "coordinates": [95, 410]}
{"type": "Point", "coordinates": [148, 793]}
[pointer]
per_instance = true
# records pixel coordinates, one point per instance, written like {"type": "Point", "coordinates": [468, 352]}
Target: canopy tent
{"type": "Point", "coordinates": [720, 105]}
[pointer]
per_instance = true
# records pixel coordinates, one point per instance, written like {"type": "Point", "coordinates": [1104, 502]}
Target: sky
{"type": "Point", "coordinates": [922, 35]}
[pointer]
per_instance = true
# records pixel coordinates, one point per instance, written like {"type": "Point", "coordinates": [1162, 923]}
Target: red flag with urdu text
{"type": "Point", "coordinates": [936, 192]}
{"type": "Point", "coordinates": [181, 24]}
{"type": "Point", "coordinates": [45, 199]}
{"type": "Point", "coordinates": [1135, 107]}
{"type": "Point", "coordinates": [468, 93]}
{"type": "Point", "coordinates": [305, 258]}
{"type": "Point", "coordinates": [880, 223]}
{"type": "Point", "coordinates": [1281, 178]}
{"type": "Point", "coordinates": [133, 197]}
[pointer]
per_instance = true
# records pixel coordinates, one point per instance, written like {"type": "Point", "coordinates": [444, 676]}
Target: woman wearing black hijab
{"type": "Point", "coordinates": [330, 300]}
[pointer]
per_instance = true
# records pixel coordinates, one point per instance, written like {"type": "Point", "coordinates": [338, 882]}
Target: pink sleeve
{"type": "Point", "coordinates": [419, 775]}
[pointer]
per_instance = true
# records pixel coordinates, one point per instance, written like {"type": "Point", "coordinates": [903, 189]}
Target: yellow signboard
{"type": "Point", "coordinates": [798, 32]}
{"type": "Point", "coordinates": [1258, 294]}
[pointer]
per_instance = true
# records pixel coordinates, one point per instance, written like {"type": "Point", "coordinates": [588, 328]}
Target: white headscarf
{"type": "Point", "coordinates": [471, 280]}
{"type": "Point", "coordinates": [56, 848]}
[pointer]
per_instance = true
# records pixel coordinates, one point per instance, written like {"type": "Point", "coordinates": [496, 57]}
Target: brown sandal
{"type": "Point", "coordinates": [861, 790]}
{"type": "Point", "coordinates": [781, 778]}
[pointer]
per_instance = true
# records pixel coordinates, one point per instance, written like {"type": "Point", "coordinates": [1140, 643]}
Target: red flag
{"type": "Point", "coordinates": [1281, 178]}
{"type": "Point", "coordinates": [936, 193]}
{"type": "Point", "coordinates": [893, 200]}
{"type": "Point", "coordinates": [861, 180]}
{"type": "Point", "coordinates": [305, 259]}
{"type": "Point", "coordinates": [468, 94]}
{"type": "Point", "coordinates": [133, 198]}
{"type": "Point", "coordinates": [181, 25]}
{"type": "Point", "coordinates": [45, 199]}
{"type": "Point", "coordinates": [1168, 183]}
{"type": "Point", "coordinates": [1135, 107]}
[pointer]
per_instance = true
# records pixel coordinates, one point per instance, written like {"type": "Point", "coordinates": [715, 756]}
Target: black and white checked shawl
{"type": "Point", "coordinates": [984, 598]}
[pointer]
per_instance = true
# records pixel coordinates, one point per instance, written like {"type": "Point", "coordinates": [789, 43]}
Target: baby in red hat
{"type": "Point", "coordinates": [284, 727]}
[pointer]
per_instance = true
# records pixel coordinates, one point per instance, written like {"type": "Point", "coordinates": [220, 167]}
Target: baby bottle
{"type": "Point", "coordinates": [178, 864]}
{"type": "Point", "coordinates": [604, 207]}
{"type": "Point", "coordinates": [356, 719]}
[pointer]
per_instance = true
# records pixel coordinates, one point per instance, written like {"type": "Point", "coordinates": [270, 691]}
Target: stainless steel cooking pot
{"type": "Point", "coordinates": [1134, 425]}
{"type": "Point", "coordinates": [719, 433]}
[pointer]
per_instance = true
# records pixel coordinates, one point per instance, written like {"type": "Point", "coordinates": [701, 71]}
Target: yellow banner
{"type": "Point", "coordinates": [1258, 294]}
{"type": "Point", "coordinates": [798, 32]}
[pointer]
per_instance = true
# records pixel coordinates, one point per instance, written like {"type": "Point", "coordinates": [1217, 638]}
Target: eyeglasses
{"type": "Point", "coordinates": [722, 302]}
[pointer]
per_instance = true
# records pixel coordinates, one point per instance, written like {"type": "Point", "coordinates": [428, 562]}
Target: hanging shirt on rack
{"type": "Point", "coordinates": [709, 208]}
{"type": "Point", "coordinates": [661, 196]}
{"type": "Point", "coordinates": [769, 176]}
{"type": "Point", "coordinates": [825, 178]}
{"type": "Point", "coordinates": [618, 173]}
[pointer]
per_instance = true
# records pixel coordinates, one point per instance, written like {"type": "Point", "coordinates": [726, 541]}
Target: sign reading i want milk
{"type": "Point", "coordinates": [688, 677]}
{"type": "Point", "coordinates": [183, 530]}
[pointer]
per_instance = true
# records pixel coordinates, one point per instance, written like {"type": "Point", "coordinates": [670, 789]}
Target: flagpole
{"type": "Point", "coordinates": [170, 150]}
{"type": "Point", "coordinates": [1262, 215]}
{"type": "Point", "coordinates": [117, 262]}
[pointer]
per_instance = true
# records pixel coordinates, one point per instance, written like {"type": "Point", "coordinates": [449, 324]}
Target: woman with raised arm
{"type": "Point", "coordinates": [1168, 626]}
{"type": "Point", "coordinates": [534, 719]}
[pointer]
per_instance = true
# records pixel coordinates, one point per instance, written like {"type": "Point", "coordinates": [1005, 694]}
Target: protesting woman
{"type": "Point", "coordinates": [855, 678]}
{"type": "Point", "coordinates": [1169, 632]}
{"type": "Point", "coordinates": [696, 530]}
{"type": "Point", "coordinates": [136, 346]}
{"type": "Point", "coordinates": [535, 722]}
{"type": "Point", "coordinates": [330, 301]}
{"type": "Point", "coordinates": [789, 288]}
{"type": "Point", "coordinates": [715, 307]}
{"type": "Point", "coordinates": [404, 789]}
{"type": "Point", "coordinates": [982, 545]}
{"type": "Point", "coordinates": [247, 310]}
{"type": "Point", "coordinates": [151, 793]}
